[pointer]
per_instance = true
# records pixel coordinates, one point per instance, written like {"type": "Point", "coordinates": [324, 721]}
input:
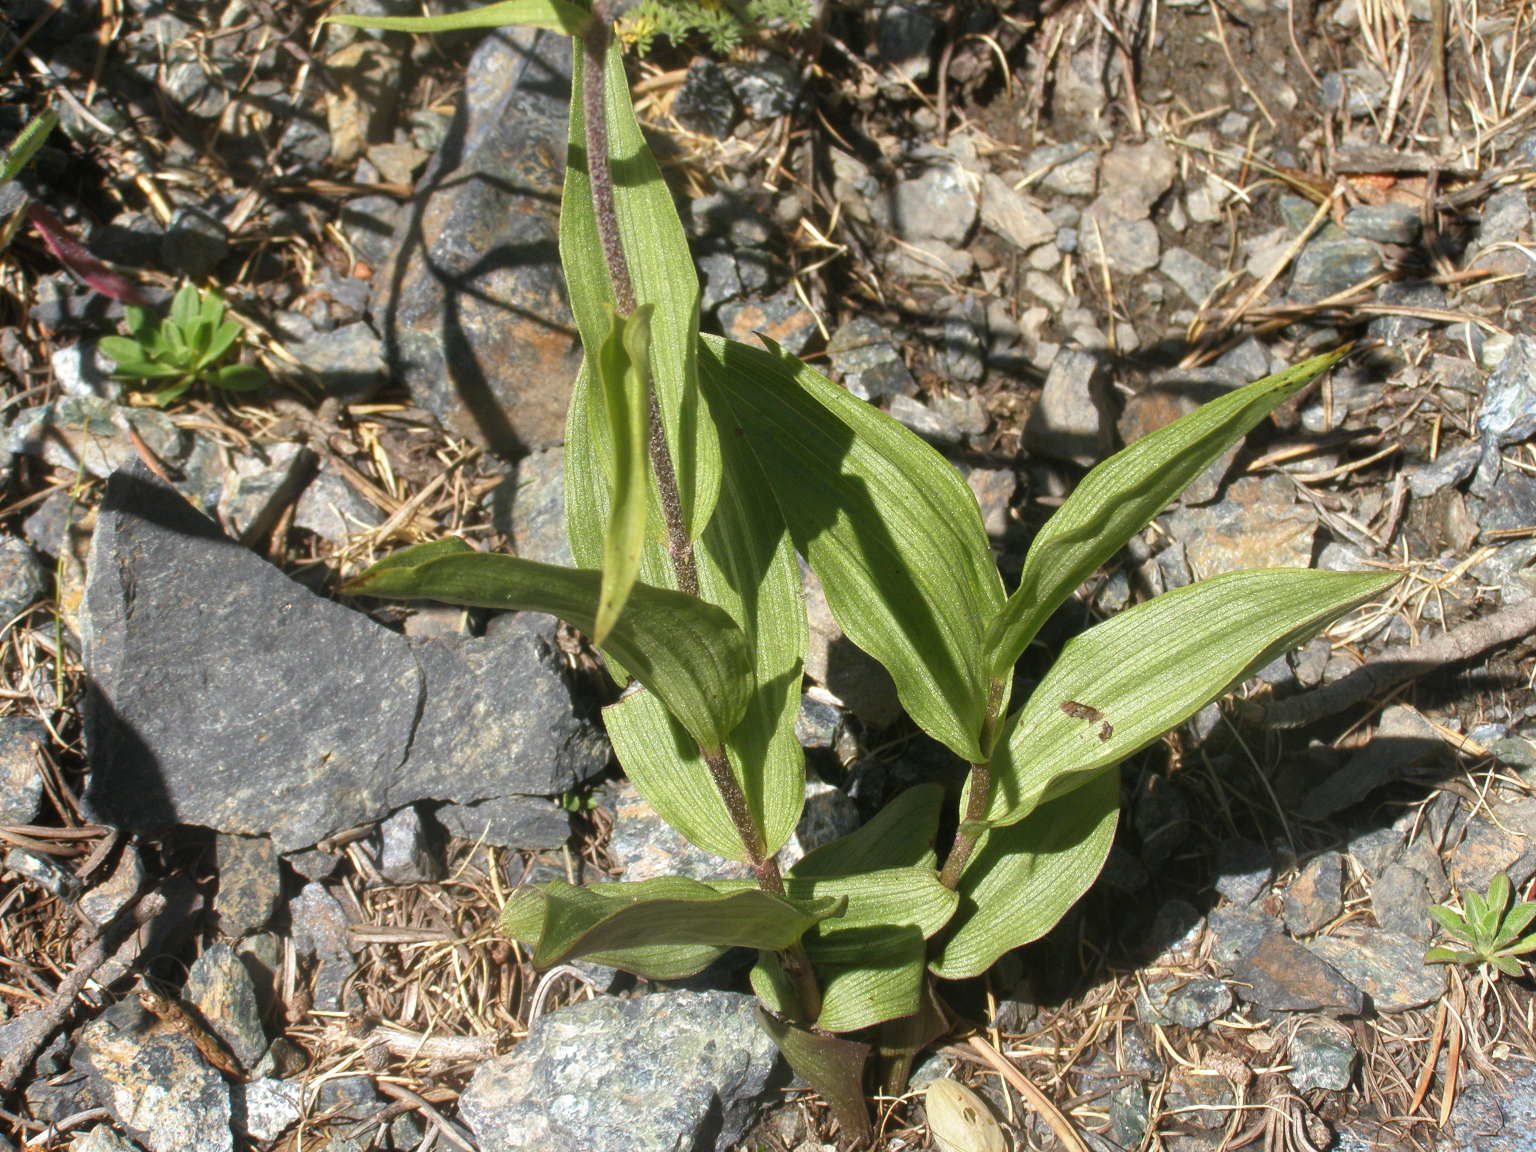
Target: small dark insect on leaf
{"type": "Point", "coordinates": [1081, 711]}
{"type": "Point", "coordinates": [1106, 730]}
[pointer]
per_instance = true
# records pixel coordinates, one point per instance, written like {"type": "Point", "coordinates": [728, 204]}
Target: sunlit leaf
{"type": "Point", "coordinates": [1120, 496]}
{"type": "Point", "coordinates": [26, 144]}
{"type": "Point", "coordinates": [959, 1120]}
{"type": "Point", "coordinates": [561, 922]}
{"type": "Point", "coordinates": [624, 372]}
{"type": "Point", "coordinates": [900, 835]}
{"type": "Point", "coordinates": [887, 985]}
{"type": "Point", "coordinates": [555, 15]}
{"type": "Point", "coordinates": [1022, 879]}
{"type": "Point", "coordinates": [689, 653]}
{"type": "Point", "coordinates": [662, 271]}
{"type": "Point", "coordinates": [1123, 683]}
{"type": "Point", "coordinates": [891, 529]}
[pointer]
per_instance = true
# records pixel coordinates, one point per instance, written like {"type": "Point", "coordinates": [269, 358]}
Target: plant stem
{"type": "Point", "coordinates": [600, 174]}
{"type": "Point", "coordinates": [679, 546]}
{"type": "Point", "coordinates": [980, 795]}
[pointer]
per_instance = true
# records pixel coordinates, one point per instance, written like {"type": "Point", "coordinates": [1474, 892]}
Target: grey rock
{"type": "Point", "coordinates": [89, 434]}
{"type": "Point", "coordinates": [527, 823]}
{"type": "Point", "coordinates": [259, 484]}
{"type": "Point", "coordinates": [274, 711]}
{"type": "Point", "coordinates": [529, 508]}
{"type": "Point", "coordinates": [829, 814]}
{"type": "Point", "coordinates": [22, 741]}
{"type": "Point", "coordinates": [485, 342]}
{"type": "Point", "coordinates": [1133, 177]}
{"type": "Point", "coordinates": [1500, 839]}
{"type": "Point", "coordinates": [1388, 968]}
{"type": "Point", "coordinates": [1450, 467]}
{"type": "Point", "coordinates": [369, 224]}
{"type": "Point", "coordinates": [99, 1139]}
{"type": "Point", "coordinates": [1236, 933]}
{"type": "Point", "coordinates": [1510, 570]}
{"type": "Point", "coordinates": [818, 722]}
{"type": "Point", "coordinates": [270, 1107]}
{"type": "Point", "coordinates": [706, 102]}
{"type": "Point", "coordinates": [1326, 267]}
{"type": "Point", "coordinates": [646, 846]}
{"type": "Point", "coordinates": [994, 489]}
{"type": "Point", "coordinates": [82, 369]}
{"type": "Point", "coordinates": [1315, 898]}
{"type": "Point", "coordinates": [1505, 215]}
{"type": "Point", "coordinates": [1190, 274]}
{"type": "Point", "coordinates": [781, 317]}
{"type": "Point", "coordinates": [194, 243]}
{"type": "Point", "coordinates": [1162, 820]}
{"type": "Point", "coordinates": [1176, 928]}
{"type": "Point", "coordinates": [406, 854]}
{"type": "Point", "coordinates": [721, 280]}
{"type": "Point", "coordinates": [925, 420]}
{"type": "Point", "coordinates": [1476, 1116]}
{"type": "Point", "coordinates": [250, 883]}
{"type": "Point", "coordinates": [844, 670]}
{"type": "Point", "coordinates": [1068, 169]}
{"type": "Point", "coordinates": [1283, 976]}
{"type": "Point", "coordinates": [962, 353]}
{"type": "Point", "coordinates": [44, 872]}
{"type": "Point", "coordinates": [153, 1080]}
{"type": "Point", "coordinates": [1507, 414]}
{"type": "Point", "coordinates": [866, 359]}
{"type": "Point", "coordinates": [332, 509]}
{"type": "Point", "coordinates": [1402, 741]}
{"type": "Point", "coordinates": [220, 988]}
{"type": "Point", "coordinates": [320, 934]}
{"type": "Point", "coordinates": [903, 36]}
{"type": "Point", "coordinates": [1243, 870]}
{"type": "Point", "coordinates": [109, 897]}
{"type": "Point", "coordinates": [940, 203]}
{"type": "Point", "coordinates": [1203, 1102]}
{"type": "Point", "coordinates": [1067, 424]}
{"type": "Point", "coordinates": [1010, 214]}
{"type": "Point", "coordinates": [729, 219]}
{"type": "Point", "coordinates": [349, 360]}
{"type": "Point", "coordinates": [1190, 1004]}
{"type": "Point", "coordinates": [1386, 223]}
{"type": "Point", "coordinates": [1393, 330]}
{"type": "Point", "coordinates": [1355, 91]}
{"type": "Point", "coordinates": [1400, 901]}
{"type": "Point", "coordinates": [654, 1074]}
{"type": "Point", "coordinates": [1257, 525]}
{"type": "Point", "coordinates": [766, 88]}
{"type": "Point", "coordinates": [1322, 1055]}
{"type": "Point", "coordinates": [1128, 247]}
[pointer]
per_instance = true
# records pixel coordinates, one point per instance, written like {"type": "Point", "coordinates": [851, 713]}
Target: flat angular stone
{"type": "Point", "coordinates": [670, 1071]}
{"type": "Point", "coordinates": [1316, 897]}
{"type": "Point", "coordinates": [220, 987]}
{"type": "Point", "coordinates": [1389, 969]}
{"type": "Point", "coordinates": [1282, 975]}
{"type": "Point", "coordinates": [22, 740]}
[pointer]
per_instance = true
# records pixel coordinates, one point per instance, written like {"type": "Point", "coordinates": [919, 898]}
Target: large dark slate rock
{"type": "Point", "coordinates": [472, 307]}
{"type": "Point", "coordinates": [224, 694]}
{"type": "Point", "coordinates": [657, 1074]}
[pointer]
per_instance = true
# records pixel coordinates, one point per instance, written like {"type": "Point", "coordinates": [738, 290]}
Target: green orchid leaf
{"type": "Point", "coordinates": [747, 566]}
{"type": "Point", "coordinates": [1120, 496]}
{"type": "Point", "coordinates": [562, 922]}
{"type": "Point", "coordinates": [832, 1065]}
{"type": "Point", "coordinates": [900, 835]}
{"type": "Point", "coordinates": [624, 371]}
{"type": "Point", "coordinates": [884, 909]}
{"type": "Point", "coordinates": [1123, 683]}
{"type": "Point", "coordinates": [891, 529]}
{"type": "Point", "coordinates": [689, 653]}
{"type": "Point", "coordinates": [902, 1039]}
{"type": "Point", "coordinates": [555, 15]}
{"type": "Point", "coordinates": [26, 144]}
{"type": "Point", "coordinates": [884, 986]}
{"type": "Point", "coordinates": [662, 271]}
{"type": "Point", "coordinates": [1022, 879]}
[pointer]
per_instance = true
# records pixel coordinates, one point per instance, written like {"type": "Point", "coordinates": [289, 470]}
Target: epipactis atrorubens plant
{"type": "Point", "coordinates": [696, 469]}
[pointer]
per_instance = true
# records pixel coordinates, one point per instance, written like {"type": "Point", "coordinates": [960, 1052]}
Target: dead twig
{"type": "Point", "coordinates": [1036, 1099]}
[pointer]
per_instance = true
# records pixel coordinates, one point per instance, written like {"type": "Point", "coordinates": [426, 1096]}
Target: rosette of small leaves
{"type": "Point", "coordinates": [1488, 927]}
{"type": "Point", "coordinates": [171, 353]}
{"type": "Point", "coordinates": [722, 24]}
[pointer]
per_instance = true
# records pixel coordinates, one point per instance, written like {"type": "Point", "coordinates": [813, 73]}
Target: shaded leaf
{"type": "Point", "coordinates": [884, 986]}
{"type": "Point", "coordinates": [662, 271]}
{"type": "Point", "coordinates": [881, 907]}
{"type": "Point", "coordinates": [891, 529]}
{"type": "Point", "coordinates": [555, 15]}
{"type": "Point", "coordinates": [902, 1039]}
{"type": "Point", "coordinates": [239, 377]}
{"type": "Point", "coordinates": [831, 1065]}
{"type": "Point", "coordinates": [26, 144]}
{"type": "Point", "coordinates": [689, 653]}
{"type": "Point", "coordinates": [78, 259]}
{"type": "Point", "coordinates": [562, 922]}
{"type": "Point", "coordinates": [1123, 683]}
{"type": "Point", "coordinates": [624, 372]}
{"type": "Point", "coordinates": [1121, 495]}
{"type": "Point", "coordinates": [1022, 879]}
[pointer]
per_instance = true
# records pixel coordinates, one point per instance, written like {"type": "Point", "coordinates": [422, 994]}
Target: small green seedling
{"type": "Point", "coordinates": [176, 351]}
{"type": "Point", "coordinates": [1491, 934]}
